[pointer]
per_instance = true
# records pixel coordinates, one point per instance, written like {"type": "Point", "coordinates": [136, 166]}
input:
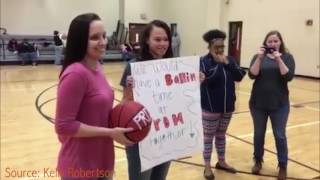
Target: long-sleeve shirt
{"type": "Point", "coordinates": [270, 88]}
{"type": "Point", "coordinates": [84, 96]}
{"type": "Point", "coordinates": [218, 88]}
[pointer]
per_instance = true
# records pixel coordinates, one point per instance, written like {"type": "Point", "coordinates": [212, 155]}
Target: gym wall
{"type": "Point", "coordinates": [41, 17]}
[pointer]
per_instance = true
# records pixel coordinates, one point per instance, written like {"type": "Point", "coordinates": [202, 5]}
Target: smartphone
{"type": "Point", "coordinates": [269, 50]}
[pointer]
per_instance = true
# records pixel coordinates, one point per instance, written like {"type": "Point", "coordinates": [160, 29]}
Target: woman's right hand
{"type": "Point", "coordinates": [118, 134]}
{"type": "Point", "coordinates": [261, 52]}
{"type": "Point", "coordinates": [130, 82]}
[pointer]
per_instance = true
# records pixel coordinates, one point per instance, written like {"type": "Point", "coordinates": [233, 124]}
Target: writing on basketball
{"type": "Point", "coordinates": [142, 118]}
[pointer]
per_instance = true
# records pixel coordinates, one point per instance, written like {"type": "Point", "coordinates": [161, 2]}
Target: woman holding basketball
{"type": "Point", "coordinates": [84, 102]}
{"type": "Point", "coordinates": [155, 44]}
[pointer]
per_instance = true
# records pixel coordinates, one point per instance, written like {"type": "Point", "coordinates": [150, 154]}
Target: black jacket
{"type": "Point", "coordinates": [218, 88]}
{"type": "Point", "coordinates": [25, 47]}
{"type": "Point", "coordinates": [57, 40]}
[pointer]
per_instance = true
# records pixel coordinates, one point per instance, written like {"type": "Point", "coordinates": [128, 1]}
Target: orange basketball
{"type": "Point", "coordinates": [131, 114]}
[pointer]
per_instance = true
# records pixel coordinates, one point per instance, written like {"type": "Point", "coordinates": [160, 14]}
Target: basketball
{"type": "Point", "coordinates": [131, 114]}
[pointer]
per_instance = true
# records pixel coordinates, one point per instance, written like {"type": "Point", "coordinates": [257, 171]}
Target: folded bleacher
{"type": "Point", "coordinates": [45, 47]}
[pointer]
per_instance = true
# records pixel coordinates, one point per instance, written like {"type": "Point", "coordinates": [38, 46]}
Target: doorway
{"type": "Point", "coordinates": [235, 35]}
{"type": "Point", "coordinates": [135, 30]}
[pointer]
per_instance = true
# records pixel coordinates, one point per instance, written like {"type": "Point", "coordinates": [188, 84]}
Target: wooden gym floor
{"type": "Point", "coordinates": [29, 143]}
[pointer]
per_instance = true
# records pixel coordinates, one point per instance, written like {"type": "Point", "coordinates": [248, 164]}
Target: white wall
{"type": "Point", "coordinates": [133, 9]}
{"type": "Point", "coordinates": [44, 16]}
{"type": "Point", "coordinates": [191, 19]}
{"type": "Point", "coordinates": [121, 10]}
{"type": "Point", "coordinates": [287, 16]}
{"type": "Point", "coordinates": [194, 17]}
{"type": "Point", "coordinates": [214, 14]}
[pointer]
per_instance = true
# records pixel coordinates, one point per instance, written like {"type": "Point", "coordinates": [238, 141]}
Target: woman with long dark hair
{"type": "Point", "coordinates": [84, 102]}
{"type": "Point", "coordinates": [155, 43]}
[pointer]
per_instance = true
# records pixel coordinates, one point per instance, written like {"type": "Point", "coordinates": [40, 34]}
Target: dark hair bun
{"type": "Point", "coordinates": [213, 34]}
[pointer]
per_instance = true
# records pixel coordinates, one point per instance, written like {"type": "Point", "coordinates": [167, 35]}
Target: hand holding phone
{"type": "Point", "coordinates": [269, 50]}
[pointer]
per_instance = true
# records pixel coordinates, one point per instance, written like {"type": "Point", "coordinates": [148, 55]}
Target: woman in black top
{"type": "Point", "coordinates": [271, 68]}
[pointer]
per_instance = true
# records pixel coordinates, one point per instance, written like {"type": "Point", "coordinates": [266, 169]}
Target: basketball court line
{"type": "Point", "coordinates": [30, 178]}
{"type": "Point", "coordinates": [24, 81]}
{"type": "Point", "coordinates": [294, 161]}
{"type": "Point", "coordinates": [305, 89]}
{"type": "Point", "coordinates": [240, 112]}
{"type": "Point", "coordinates": [182, 161]}
{"type": "Point", "coordinates": [310, 102]}
{"type": "Point", "coordinates": [246, 93]}
{"type": "Point", "coordinates": [121, 159]}
{"type": "Point", "coordinates": [291, 127]}
{"type": "Point", "coordinates": [234, 137]}
{"type": "Point", "coordinates": [34, 178]}
{"type": "Point", "coordinates": [238, 171]}
{"type": "Point", "coordinates": [270, 130]}
{"type": "Point", "coordinates": [291, 103]}
{"type": "Point", "coordinates": [311, 108]}
{"type": "Point", "coordinates": [272, 152]}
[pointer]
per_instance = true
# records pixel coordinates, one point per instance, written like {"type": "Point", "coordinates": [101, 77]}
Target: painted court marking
{"type": "Point", "coordinates": [270, 130]}
{"type": "Point", "coordinates": [292, 103]}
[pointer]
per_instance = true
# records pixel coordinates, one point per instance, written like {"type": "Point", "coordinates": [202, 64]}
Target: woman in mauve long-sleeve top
{"type": "Point", "coordinates": [271, 68]}
{"type": "Point", "coordinates": [84, 103]}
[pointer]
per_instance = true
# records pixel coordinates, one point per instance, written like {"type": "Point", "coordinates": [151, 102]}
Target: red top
{"type": "Point", "coordinates": [84, 96]}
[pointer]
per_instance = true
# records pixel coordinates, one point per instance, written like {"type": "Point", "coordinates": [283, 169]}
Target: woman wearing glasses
{"type": "Point", "coordinates": [218, 74]}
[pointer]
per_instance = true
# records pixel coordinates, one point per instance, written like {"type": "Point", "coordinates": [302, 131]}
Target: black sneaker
{"type": "Point", "coordinates": [282, 175]}
{"type": "Point", "coordinates": [257, 167]}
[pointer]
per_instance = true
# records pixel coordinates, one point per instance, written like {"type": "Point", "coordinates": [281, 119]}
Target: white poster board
{"type": "Point", "coordinates": [170, 90]}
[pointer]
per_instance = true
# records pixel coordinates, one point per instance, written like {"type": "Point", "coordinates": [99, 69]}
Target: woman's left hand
{"type": "Point", "coordinates": [202, 76]}
{"type": "Point", "coordinates": [118, 134]}
{"type": "Point", "coordinates": [225, 59]}
{"type": "Point", "coordinates": [130, 82]}
{"type": "Point", "coordinates": [277, 55]}
{"type": "Point", "coordinates": [221, 58]}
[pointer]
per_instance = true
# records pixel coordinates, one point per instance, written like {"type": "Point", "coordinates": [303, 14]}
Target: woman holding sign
{"type": "Point", "coordinates": [218, 73]}
{"type": "Point", "coordinates": [155, 44]}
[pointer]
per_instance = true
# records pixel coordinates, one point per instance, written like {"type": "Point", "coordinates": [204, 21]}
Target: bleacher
{"type": "Point", "coordinates": [45, 47]}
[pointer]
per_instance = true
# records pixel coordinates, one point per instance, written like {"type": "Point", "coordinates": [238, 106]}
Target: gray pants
{"type": "Point", "coordinates": [58, 55]}
{"type": "Point", "coordinates": [279, 120]}
{"type": "Point", "coordinates": [134, 167]}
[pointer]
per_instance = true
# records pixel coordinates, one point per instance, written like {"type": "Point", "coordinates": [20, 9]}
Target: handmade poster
{"type": "Point", "coordinates": [170, 90]}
